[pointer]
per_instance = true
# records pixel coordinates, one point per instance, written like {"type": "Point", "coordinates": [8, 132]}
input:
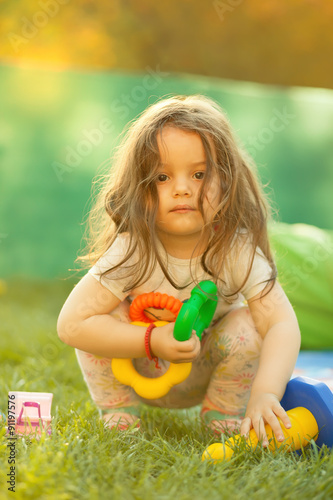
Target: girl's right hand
{"type": "Point", "coordinates": [165, 346]}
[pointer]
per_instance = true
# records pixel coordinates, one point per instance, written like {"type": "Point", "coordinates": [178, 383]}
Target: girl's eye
{"type": "Point", "coordinates": [199, 175]}
{"type": "Point", "coordinates": [162, 178]}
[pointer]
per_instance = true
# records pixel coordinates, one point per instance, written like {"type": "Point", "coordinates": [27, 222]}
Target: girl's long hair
{"type": "Point", "coordinates": [127, 200]}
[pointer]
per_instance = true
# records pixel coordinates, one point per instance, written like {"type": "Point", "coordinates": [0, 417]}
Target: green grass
{"type": "Point", "coordinates": [82, 460]}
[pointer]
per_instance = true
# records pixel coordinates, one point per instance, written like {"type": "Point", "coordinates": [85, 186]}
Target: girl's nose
{"type": "Point", "coordinates": [182, 187]}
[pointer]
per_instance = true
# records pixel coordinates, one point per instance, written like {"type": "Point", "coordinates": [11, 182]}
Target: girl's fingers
{"type": "Point", "coordinates": [245, 427]}
{"type": "Point", "coordinates": [257, 423]}
{"type": "Point", "coordinates": [273, 416]}
{"type": "Point", "coordinates": [273, 421]}
{"type": "Point", "coordinates": [275, 424]}
{"type": "Point", "coordinates": [189, 350]}
{"type": "Point", "coordinates": [283, 415]}
{"type": "Point", "coordinates": [189, 345]}
{"type": "Point", "coordinates": [259, 427]}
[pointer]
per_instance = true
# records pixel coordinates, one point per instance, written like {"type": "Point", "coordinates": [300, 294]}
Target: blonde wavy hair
{"type": "Point", "coordinates": [127, 200]}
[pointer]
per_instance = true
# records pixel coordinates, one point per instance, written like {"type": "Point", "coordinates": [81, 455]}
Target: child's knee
{"type": "Point", "coordinates": [239, 319]}
{"type": "Point", "coordinates": [236, 334]}
{"type": "Point", "coordinates": [246, 336]}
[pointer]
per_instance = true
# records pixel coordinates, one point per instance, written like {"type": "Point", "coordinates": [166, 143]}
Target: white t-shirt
{"type": "Point", "coordinates": [179, 269]}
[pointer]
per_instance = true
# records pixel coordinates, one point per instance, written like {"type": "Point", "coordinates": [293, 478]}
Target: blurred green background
{"type": "Point", "coordinates": [58, 129]}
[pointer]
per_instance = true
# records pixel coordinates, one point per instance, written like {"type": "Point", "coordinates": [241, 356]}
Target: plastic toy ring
{"type": "Point", "coordinates": [149, 388]}
{"type": "Point", "coordinates": [196, 314]}
{"type": "Point", "coordinates": [156, 300]}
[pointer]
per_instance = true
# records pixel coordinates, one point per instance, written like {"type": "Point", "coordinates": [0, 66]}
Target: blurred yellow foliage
{"type": "Point", "coordinates": [280, 41]}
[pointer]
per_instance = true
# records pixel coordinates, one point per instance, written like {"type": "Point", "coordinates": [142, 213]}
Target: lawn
{"type": "Point", "coordinates": [82, 460]}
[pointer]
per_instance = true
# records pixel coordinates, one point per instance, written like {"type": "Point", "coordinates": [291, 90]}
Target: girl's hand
{"type": "Point", "coordinates": [165, 346]}
{"type": "Point", "coordinates": [264, 409]}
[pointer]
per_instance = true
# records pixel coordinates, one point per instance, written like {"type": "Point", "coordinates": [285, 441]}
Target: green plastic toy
{"type": "Point", "coordinates": [197, 313]}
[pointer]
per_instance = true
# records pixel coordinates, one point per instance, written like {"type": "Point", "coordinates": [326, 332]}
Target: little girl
{"type": "Point", "coordinates": [182, 204]}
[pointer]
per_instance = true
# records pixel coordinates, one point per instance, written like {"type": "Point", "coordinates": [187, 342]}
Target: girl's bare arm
{"type": "Point", "coordinates": [276, 322]}
{"type": "Point", "coordinates": [85, 323]}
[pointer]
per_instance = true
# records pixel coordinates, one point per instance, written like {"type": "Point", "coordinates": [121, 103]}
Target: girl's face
{"type": "Point", "coordinates": [179, 178]}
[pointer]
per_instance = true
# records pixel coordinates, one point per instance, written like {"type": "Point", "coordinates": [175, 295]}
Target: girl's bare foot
{"type": "Point", "coordinates": [221, 423]}
{"type": "Point", "coordinates": [121, 420]}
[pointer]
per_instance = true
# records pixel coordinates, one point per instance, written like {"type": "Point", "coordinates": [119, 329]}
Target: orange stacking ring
{"type": "Point", "coordinates": [153, 299]}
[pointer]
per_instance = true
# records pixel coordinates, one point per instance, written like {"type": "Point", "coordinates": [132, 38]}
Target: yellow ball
{"type": "Point", "coordinates": [3, 287]}
{"type": "Point", "coordinates": [217, 452]}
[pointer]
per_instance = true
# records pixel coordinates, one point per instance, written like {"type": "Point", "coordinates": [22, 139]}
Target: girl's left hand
{"type": "Point", "coordinates": [264, 409]}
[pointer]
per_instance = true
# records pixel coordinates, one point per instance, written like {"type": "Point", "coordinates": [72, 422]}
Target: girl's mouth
{"type": "Point", "coordinates": [182, 209]}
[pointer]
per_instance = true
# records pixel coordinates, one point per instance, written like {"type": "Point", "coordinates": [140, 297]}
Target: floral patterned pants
{"type": "Point", "coordinates": [220, 379]}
